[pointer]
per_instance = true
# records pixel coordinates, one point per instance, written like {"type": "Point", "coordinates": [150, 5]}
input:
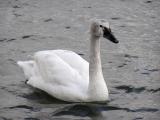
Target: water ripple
{"type": "Point", "coordinates": [31, 118]}
{"type": "Point", "coordinates": [130, 89]}
{"type": "Point", "coordinates": [22, 106]}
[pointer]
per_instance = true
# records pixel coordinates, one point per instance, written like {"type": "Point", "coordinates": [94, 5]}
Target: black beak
{"type": "Point", "coordinates": [109, 35]}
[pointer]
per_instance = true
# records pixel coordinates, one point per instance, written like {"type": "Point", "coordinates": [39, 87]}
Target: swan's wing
{"type": "Point", "coordinates": [54, 69]}
{"type": "Point", "coordinates": [75, 61]}
{"type": "Point", "coordinates": [58, 78]}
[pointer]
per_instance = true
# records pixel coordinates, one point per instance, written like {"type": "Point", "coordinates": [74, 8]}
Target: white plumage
{"type": "Point", "coordinates": [66, 75]}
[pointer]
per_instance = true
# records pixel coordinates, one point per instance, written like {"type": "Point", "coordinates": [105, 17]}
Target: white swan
{"type": "Point", "coordinates": [66, 75]}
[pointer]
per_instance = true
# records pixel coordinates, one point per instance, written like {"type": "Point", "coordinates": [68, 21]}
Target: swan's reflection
{"type": "Point", "coordinates": [91, 110]}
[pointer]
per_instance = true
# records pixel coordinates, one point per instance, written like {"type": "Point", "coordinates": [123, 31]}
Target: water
{"type": "Point", "coordinates": [131, 68]}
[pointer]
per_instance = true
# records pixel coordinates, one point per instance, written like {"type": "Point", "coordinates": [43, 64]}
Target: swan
{"type": "Point", "coordinates": [65, 75]}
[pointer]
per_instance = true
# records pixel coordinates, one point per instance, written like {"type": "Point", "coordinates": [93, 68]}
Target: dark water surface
{"type": "Point", "coordinates": [131, 68]}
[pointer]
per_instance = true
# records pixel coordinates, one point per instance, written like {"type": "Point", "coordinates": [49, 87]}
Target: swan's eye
{"type": "Point", "coordinates": [101, 26]}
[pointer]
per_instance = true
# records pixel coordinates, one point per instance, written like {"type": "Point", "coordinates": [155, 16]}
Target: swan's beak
{"type": "Point", "coordinates": [109, 35]}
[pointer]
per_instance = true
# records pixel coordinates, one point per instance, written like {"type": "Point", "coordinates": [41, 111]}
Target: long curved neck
{"type": "Point", "coordinates": [97, 86]}
{"type": "Point", "coordinates": [95, 68]}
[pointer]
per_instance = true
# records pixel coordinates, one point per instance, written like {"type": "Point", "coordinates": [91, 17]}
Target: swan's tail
{"type": "Point", "coordinates": [27, 67]}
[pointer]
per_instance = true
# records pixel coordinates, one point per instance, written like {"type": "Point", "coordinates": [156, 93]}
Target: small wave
{"type": "Point", "coordinates": [31, 118]}
{"type": "Point", "coordinates": [130, 56]}
{"type": "Point", "coordinates": [154, 90]}
{"type": "Point", "coordinates": [22, 106]}
{"type": "Point", "coordinates": [26, 36]}
{"type": "Point", "coordinates": [129, 89]}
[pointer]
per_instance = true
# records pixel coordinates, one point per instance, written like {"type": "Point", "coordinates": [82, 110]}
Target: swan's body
{"type": "Point", "coordinates": [66, 75]}
{"type": "Point", "coordinates": [60, 73]}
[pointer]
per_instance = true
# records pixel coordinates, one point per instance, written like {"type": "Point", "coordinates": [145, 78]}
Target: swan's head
{"type": "Point", "coordinates": [101, 28]}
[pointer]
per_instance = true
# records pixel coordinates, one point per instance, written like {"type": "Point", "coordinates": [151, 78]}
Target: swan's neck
{"type": "Point", "coordinates": [97, 86]}
{"type": "Point", "coordinates": [95, 68]}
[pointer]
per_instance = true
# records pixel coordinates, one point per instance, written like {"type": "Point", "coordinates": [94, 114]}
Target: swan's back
{"type": "Point", "coordinates": [75, 61]}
